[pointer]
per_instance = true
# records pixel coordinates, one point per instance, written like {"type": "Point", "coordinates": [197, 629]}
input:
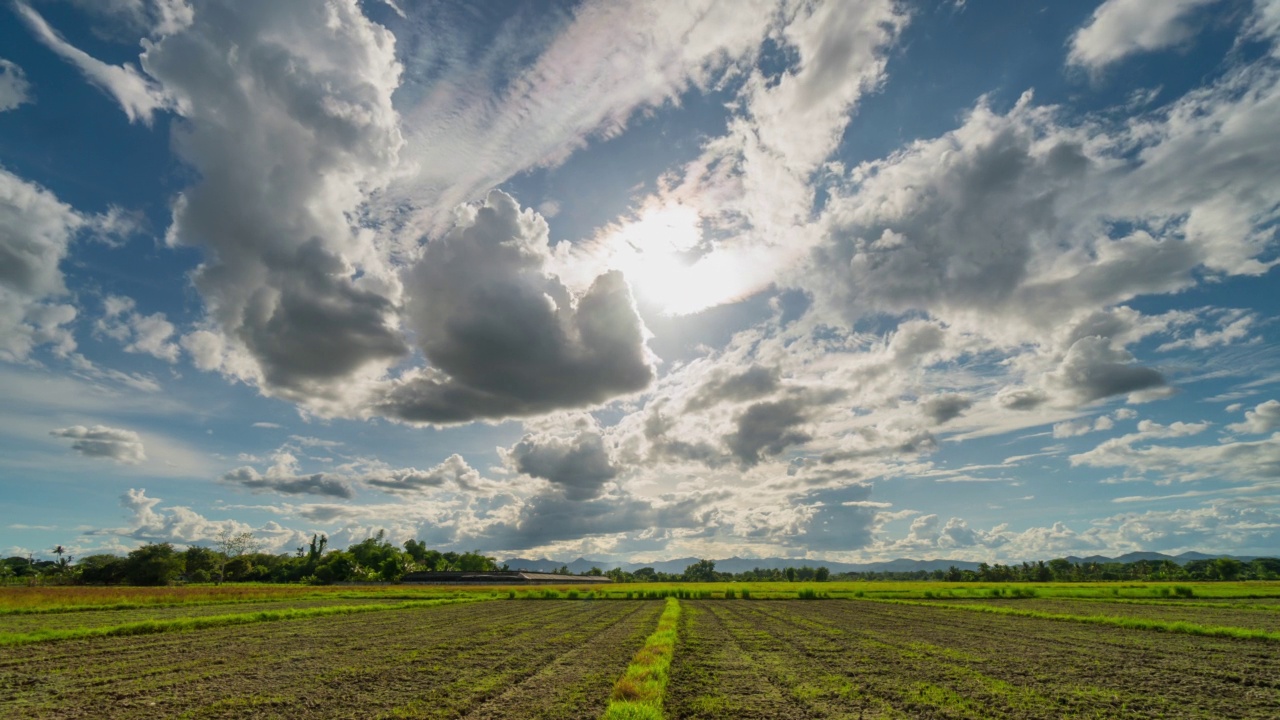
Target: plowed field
{"type": "Point", "coordinates": [734, 659]}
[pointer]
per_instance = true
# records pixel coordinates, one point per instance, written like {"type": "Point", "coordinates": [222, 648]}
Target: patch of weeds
{"type": "Point", "coordinates": [639, 692]}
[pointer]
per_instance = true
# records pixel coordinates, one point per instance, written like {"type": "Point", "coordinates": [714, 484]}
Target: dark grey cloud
{"type": "Point", "coordinates": [123, 446]}
{"type": "Point", "coordinates": [318, 326]}
{"type": "Point", "coordinates": [943, 408]}
{"type": "Point", "coordinates": [1092, 369]}
{"type": "Point", "coordinates": [767, 428]}
{"type": "Point", "coordinates": [754, 382]}
{"type": "Point", "coordinates": [504, 337]}
{"type": "Point", "coordinates": [291, 484]}
{"type": "Point", "coordinates": [552, 517]}
{"type": "Point", "coordinates": [580, 466]}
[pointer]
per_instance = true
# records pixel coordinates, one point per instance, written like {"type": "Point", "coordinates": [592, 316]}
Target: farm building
{"type": "Point", "coordinates": [512, 577]}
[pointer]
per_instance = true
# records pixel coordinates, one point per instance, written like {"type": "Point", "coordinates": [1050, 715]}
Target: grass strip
{"type": "Point", "coordinates": [638, 693]}
{"type": "Point", "coordinates": [150, 627]}
{"type": "Point", "coordinates": [1169, 626]}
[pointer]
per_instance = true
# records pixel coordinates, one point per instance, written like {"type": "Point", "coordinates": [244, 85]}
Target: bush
{"type": "Point", "coordinates": [573, 594]}
{"type": "Point", "coordinates": [1183, 591]}
{"type": "Point", "coordinates": [729, 594]}
{"type": "Point", "coordinates": [746, 594]}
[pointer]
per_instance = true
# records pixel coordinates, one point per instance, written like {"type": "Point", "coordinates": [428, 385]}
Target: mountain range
{"type": "Point", "coordinates": [737, 564]}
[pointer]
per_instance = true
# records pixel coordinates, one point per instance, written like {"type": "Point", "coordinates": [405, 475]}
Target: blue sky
{"type": "Point", "coordinates": [638, 280]}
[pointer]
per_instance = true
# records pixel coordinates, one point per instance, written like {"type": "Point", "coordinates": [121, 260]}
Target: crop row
{"type": "Point", "coordinates": [485, 660]}
{"type": "Point", "coordinates": [795, 659]}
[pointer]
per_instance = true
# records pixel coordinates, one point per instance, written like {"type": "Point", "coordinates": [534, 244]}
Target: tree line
{"type": "Point", "coordinates": [236, 557]}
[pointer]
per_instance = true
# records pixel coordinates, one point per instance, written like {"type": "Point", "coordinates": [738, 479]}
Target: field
{"type": "Point", "coordinates": [855, 650]}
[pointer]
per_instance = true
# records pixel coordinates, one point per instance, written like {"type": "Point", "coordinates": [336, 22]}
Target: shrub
{"type": "Point", "coordinates": [1183, 591]}
{"type": "Point", "coordinates": [746, 594]}
{"type": "Point", "coordinates": [729, 594]}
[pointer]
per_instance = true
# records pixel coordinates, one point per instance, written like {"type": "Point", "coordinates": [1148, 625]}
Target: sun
{"type": "Point", "coordinates": [653, 253]}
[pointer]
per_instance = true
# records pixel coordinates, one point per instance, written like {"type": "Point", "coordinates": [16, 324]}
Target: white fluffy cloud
{"type": "Point", "coordinates": [1119, 28]}
{"type": "Point", "coordinates": [286, 115]}
{"type": "Point", "coordinates": [35, 231]}
{"type": "Point", "coordinates": [148, 334]}
{"type": "Point", "coordinates": [1261, 420]}
{"type": "Point", "coordinates": [100, 441]}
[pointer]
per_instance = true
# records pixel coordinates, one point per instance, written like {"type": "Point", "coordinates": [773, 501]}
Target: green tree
{"type": "Point", "coordinates": [232, 545]}
{"type": "Point", "coordinates": [701, 571]}
{"type": "Point", "coordinates": [1226, 568]}
{"type": "Point", "coordinates": [154, 564]}
{"type": "Point", "coordinates": [822, 574]}
{"type": "Point", "coordinates": [102, 569]}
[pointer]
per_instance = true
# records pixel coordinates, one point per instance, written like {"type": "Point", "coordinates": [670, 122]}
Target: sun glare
{"type": "Point", "coordinates": [650, 252]}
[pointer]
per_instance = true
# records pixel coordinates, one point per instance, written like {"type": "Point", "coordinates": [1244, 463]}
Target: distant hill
{"type": "Point", "coordinates": [738, 565]}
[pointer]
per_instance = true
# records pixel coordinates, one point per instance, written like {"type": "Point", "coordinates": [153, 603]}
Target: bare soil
{"type": "Point", "coordinates": [440, 662]}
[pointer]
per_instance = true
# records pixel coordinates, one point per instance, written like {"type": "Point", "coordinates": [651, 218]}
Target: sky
{"type": "Point", "coordinates": [629, 280]}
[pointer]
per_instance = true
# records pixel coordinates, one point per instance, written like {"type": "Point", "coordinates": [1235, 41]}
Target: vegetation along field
{"type": "Point", "coordinates": [737, 650]}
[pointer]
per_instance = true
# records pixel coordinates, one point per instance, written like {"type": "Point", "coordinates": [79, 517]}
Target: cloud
{"type": "Point", "coordinates": [1262, 419]}
{"type": "Point", "coordinates": [1138, 454]}
{"type": "Point", "coordinates": [35, 230]}
{"type": "Point", "coordinates": [288, 484]}
{"type": "Point", "coordinates": [454, 473]}
{"type": "Point", "coordinates": [138, 96]}
{"type": "Point", "coordinates": [1092, 369]}
{"type": "Point", "coordinates": [1120, 28]}
{"type": "Point", "coordinates": [504, 337]}
{"type": "Point", "coordinates": [146, 334]}
{"type": "Point", "coordinates": [942, 408]}
{"type": "Point", "coordinates": [178, 524]}
{"type": "Point", "coordinates": [1076, 428]}
{"type": "Point", "coordinates": [286, 116]}
{"type": "Point", "coordinates": [768, 428]}
{"type": "Point", "coordinates": [578, 465]}
{"type": "Point", "coordinates": [474, 123]}
{"type": "Point", "coordinates": [14, 88]}
{"type": "Point", "coordinates": [123, 446]}
{"type": "Point", "coordinates": [753, 382]}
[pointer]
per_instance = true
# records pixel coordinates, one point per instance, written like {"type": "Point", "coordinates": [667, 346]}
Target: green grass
{"type": "Point", "coordinates": [1170, 626]}
{"type": "Point", "coordinates": [639, 692]}
{"type": "Point", "coordinates": [149, 627]}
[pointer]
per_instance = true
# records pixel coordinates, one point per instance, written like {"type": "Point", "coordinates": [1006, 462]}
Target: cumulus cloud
{"type": "Point", "coordinates": [1093, 369]}
{"type": "Point", "coordinates": [943, 408]}
{"type": "Point", "coordinates": [139, 96]}
{"type": "Point", "coordinates": [147, 334]}
{"type": "Point", "coordinates": [35, 231]}
{"type": "Point", "coordinates": [1120, 28]}
{"type": "Point", "coordinates": [768, 428]}
{"type": "Point", "coordinates": [753, 382]}
{"type": "Point", "coordinates": [286, 115]}
{"type": "Point", "coordinates": [579, 465]}
{"type": "Point", "coordinates": [506, 338]}
{"type": "Point", "coordinates": [290, 484]}
{"type": "Point", "coordinates": [1262, 419]}
{"type": "Point", "coordinates": [148, 522]}
{"type": "Point", "coordinates": [14, 88]}
{"type": "Point", "coordinates": [454, 473]}
{"type": "Point", "coordinates": [100, 441]}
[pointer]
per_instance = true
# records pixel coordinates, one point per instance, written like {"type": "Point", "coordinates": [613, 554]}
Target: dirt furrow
{"type": "Point", "coordinates": [713, 676]}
